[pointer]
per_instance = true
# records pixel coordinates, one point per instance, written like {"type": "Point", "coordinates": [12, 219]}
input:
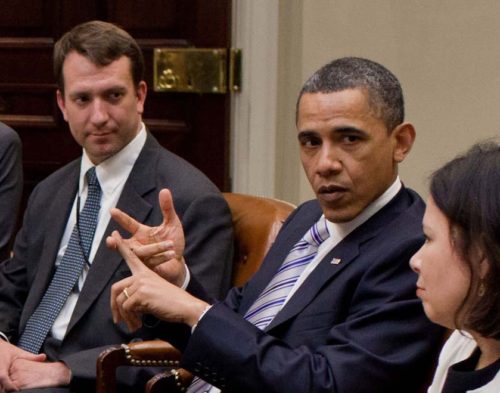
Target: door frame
{"type": "Point", "coordinates": [253, 110]}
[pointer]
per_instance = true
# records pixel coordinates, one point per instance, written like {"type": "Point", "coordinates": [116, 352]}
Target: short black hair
{"type": "Point", "coordinates": [382, 87]}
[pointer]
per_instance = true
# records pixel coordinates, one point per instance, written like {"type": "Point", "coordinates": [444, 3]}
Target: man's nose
{"type": "Point", "coordinates": [329, 161]}
{"type": "Point", "coordinates": [99, 114]}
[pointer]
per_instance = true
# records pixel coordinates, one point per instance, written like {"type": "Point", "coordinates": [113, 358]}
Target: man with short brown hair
{"type": "Point", "coordinates": [54, 291]}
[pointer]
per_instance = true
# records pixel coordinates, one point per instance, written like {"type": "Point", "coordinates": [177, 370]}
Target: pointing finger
{"type": "Point", "coordinates": [134, 263]}
{"type": "Point", "coordinates": [150, 250]}
{"type": "Point", "coordinates": [124, 220]}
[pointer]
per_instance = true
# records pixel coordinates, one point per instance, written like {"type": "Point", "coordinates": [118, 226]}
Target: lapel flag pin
{"type": "Point", "coordinates": [335, 261]}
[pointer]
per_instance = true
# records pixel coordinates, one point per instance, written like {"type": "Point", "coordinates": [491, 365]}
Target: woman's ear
{"type": "Point", "coordinates": [484, 268]}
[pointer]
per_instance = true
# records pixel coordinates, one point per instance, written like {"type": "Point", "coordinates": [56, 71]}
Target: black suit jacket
{"type": "Point", "coordinates": [355, 326]}
{"type": "Point", "coordinates": [23, 279]}
{"type": "Point", "coordinates": [11, 185]}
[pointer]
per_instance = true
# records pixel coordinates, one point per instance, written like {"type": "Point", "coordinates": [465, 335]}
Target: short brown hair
{"type": "Point", "coordinates": [101, 43]}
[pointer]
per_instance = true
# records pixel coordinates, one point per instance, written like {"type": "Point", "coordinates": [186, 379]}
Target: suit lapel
{"type": "Point", "coordinates": [141, 181]}
{"type": "Point", "coordinates": [347, 251]}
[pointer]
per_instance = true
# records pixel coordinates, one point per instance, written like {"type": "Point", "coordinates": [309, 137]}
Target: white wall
{"type": "Point", "coordinates": [445, 53]}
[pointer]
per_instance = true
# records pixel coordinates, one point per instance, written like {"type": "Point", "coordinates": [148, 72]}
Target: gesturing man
{"type": "Point", "coordinates": [333, 306]}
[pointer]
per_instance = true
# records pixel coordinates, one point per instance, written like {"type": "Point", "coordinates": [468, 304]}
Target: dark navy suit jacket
{"type": "Point", "coordinates": [355, 326]}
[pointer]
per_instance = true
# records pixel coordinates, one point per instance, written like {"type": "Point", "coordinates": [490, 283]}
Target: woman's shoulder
{"type": "Point", "coordinates": [458, 347]}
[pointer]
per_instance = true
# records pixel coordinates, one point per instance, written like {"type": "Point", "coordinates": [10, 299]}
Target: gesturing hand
{"type": "Point", "coordinates": [161, 248]}
{"type": "Point", "coordinates": [147, 292]}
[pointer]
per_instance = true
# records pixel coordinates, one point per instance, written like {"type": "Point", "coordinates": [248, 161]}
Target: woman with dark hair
{"type": "Point", "coordinates": [459, 269]}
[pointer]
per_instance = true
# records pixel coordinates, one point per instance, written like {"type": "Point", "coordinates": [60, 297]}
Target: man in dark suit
{"type": "Point", "coordinates": [333, 307]}
{"type": "Point", "coordinates": [11, 185]}
{"type": "Point", "coordinates": [99, 69]}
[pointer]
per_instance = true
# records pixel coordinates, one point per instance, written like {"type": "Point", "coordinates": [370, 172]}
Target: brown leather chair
{"type": "Point", "coordinates": [256, 222]}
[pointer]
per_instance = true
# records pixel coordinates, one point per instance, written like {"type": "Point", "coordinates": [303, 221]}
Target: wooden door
{"type": "Point", "coordinates": [194, 126]}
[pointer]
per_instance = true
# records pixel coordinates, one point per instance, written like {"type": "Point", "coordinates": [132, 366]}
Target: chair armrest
{"type": "Point", "coordinates": [171, 381]}
{"type": "Point", "coordinates": [156, 353]}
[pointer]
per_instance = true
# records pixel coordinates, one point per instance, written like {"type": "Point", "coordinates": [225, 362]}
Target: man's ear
{"type": "Point", "coordinates": [60, 103]}
{"type": "Point", "coordinates": [403, 137]}
{"type": "Point", "coordinates": [141, 92]}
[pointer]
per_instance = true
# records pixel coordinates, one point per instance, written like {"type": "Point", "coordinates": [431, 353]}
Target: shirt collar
{"type": "Point", "coordinates": [344, 228]}
{"type": "Point", "coordinates": [114, 170]}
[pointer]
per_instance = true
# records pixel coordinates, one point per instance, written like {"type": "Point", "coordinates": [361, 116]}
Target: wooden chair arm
{"type": "Point", "coordinates": [170, 381]}
{"type": "Point", "coordinates": [140, 354]}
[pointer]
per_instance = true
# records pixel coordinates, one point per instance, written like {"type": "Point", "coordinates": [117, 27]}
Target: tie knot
{"type": "Point", "coordinates": [318, 232]}
{"type": "Point", "coordinates": [92, 177]}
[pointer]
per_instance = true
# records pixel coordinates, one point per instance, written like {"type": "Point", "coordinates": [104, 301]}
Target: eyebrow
{"type": "Point", "coordinates": [337, 130]}
{"type": "Point", "coordinates": [349, 130]}
{"type": "Point", "coordinates": [86, 92]}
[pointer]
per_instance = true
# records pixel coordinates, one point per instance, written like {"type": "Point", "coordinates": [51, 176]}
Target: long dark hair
{"type": "Point", "coordinates": [467, 191]}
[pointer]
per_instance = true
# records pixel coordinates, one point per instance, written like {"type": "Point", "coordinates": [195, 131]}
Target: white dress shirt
{"type": "Point", "coordinates": [112, 175]}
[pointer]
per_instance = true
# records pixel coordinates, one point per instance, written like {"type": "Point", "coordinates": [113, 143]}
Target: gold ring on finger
{"type": "Point", "coordinates": [126, 293]}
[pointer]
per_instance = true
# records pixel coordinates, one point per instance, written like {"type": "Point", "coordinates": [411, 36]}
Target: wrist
{"type": "Point", "coordinates": [64, 373]}
{"type": "Point", "coordinates": [197, 311]}
{"type": "Point", "coordinates": [180, 282]}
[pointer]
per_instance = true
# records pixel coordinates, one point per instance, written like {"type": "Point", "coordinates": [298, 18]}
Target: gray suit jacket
{"type": "Point", "coordinates": [23, 279]}
{"type": "Point", "coordinates": [11, 185]}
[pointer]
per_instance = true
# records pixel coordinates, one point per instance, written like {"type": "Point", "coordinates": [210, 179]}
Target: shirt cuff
{"type": "Point", "coordinates": [4, 337]}
{"type": "Point", "coordinates": [201, 316]}
{"type": "Point", "coordinates": [187, 278]}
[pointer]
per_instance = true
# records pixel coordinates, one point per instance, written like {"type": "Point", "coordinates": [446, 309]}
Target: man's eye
{"type": "Point", "coordinates": [115, 96]}
{"type": "Point", "coordinates": [80, 100]}
{"type": "Point", "coordinates": [351, 138]}
{"type": "Point", "coordinates": [309, 142]}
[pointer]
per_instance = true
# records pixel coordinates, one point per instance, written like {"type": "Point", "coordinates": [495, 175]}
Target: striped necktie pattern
{"type": "Point", "coordinates": [273, 297]}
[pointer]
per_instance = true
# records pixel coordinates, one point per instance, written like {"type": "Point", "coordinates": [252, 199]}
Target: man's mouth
{"type": "Point", "coordinates": [331, 193]}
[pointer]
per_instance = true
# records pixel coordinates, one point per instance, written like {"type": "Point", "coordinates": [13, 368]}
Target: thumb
{"type": "Point", "coordinates": [35, 357]}
{"type": "Point", "coordinates": [167, 206]}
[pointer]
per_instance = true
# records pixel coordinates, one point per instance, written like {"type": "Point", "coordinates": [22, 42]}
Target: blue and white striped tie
{"type": "Point", "coordinates": [68, 271]}
{"type": "Point", "coordinates": [272, 298]}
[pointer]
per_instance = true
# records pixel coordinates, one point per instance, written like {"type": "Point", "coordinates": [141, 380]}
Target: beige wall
{"type": "Point", "coordinates": [445, 53]}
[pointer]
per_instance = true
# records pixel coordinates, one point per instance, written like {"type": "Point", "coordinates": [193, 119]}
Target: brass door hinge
{"type": "Point", "coordinates": [197, 70]}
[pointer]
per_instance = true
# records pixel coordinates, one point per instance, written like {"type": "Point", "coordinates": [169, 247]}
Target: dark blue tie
{"type": "Point", "coordinates": [68, 271]}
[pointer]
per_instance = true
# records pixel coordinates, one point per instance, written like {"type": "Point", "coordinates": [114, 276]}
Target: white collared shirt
{"type": "Point", "coordinates": [338, 231]}
{"type": "Point", "coordinates": [112, 175]}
